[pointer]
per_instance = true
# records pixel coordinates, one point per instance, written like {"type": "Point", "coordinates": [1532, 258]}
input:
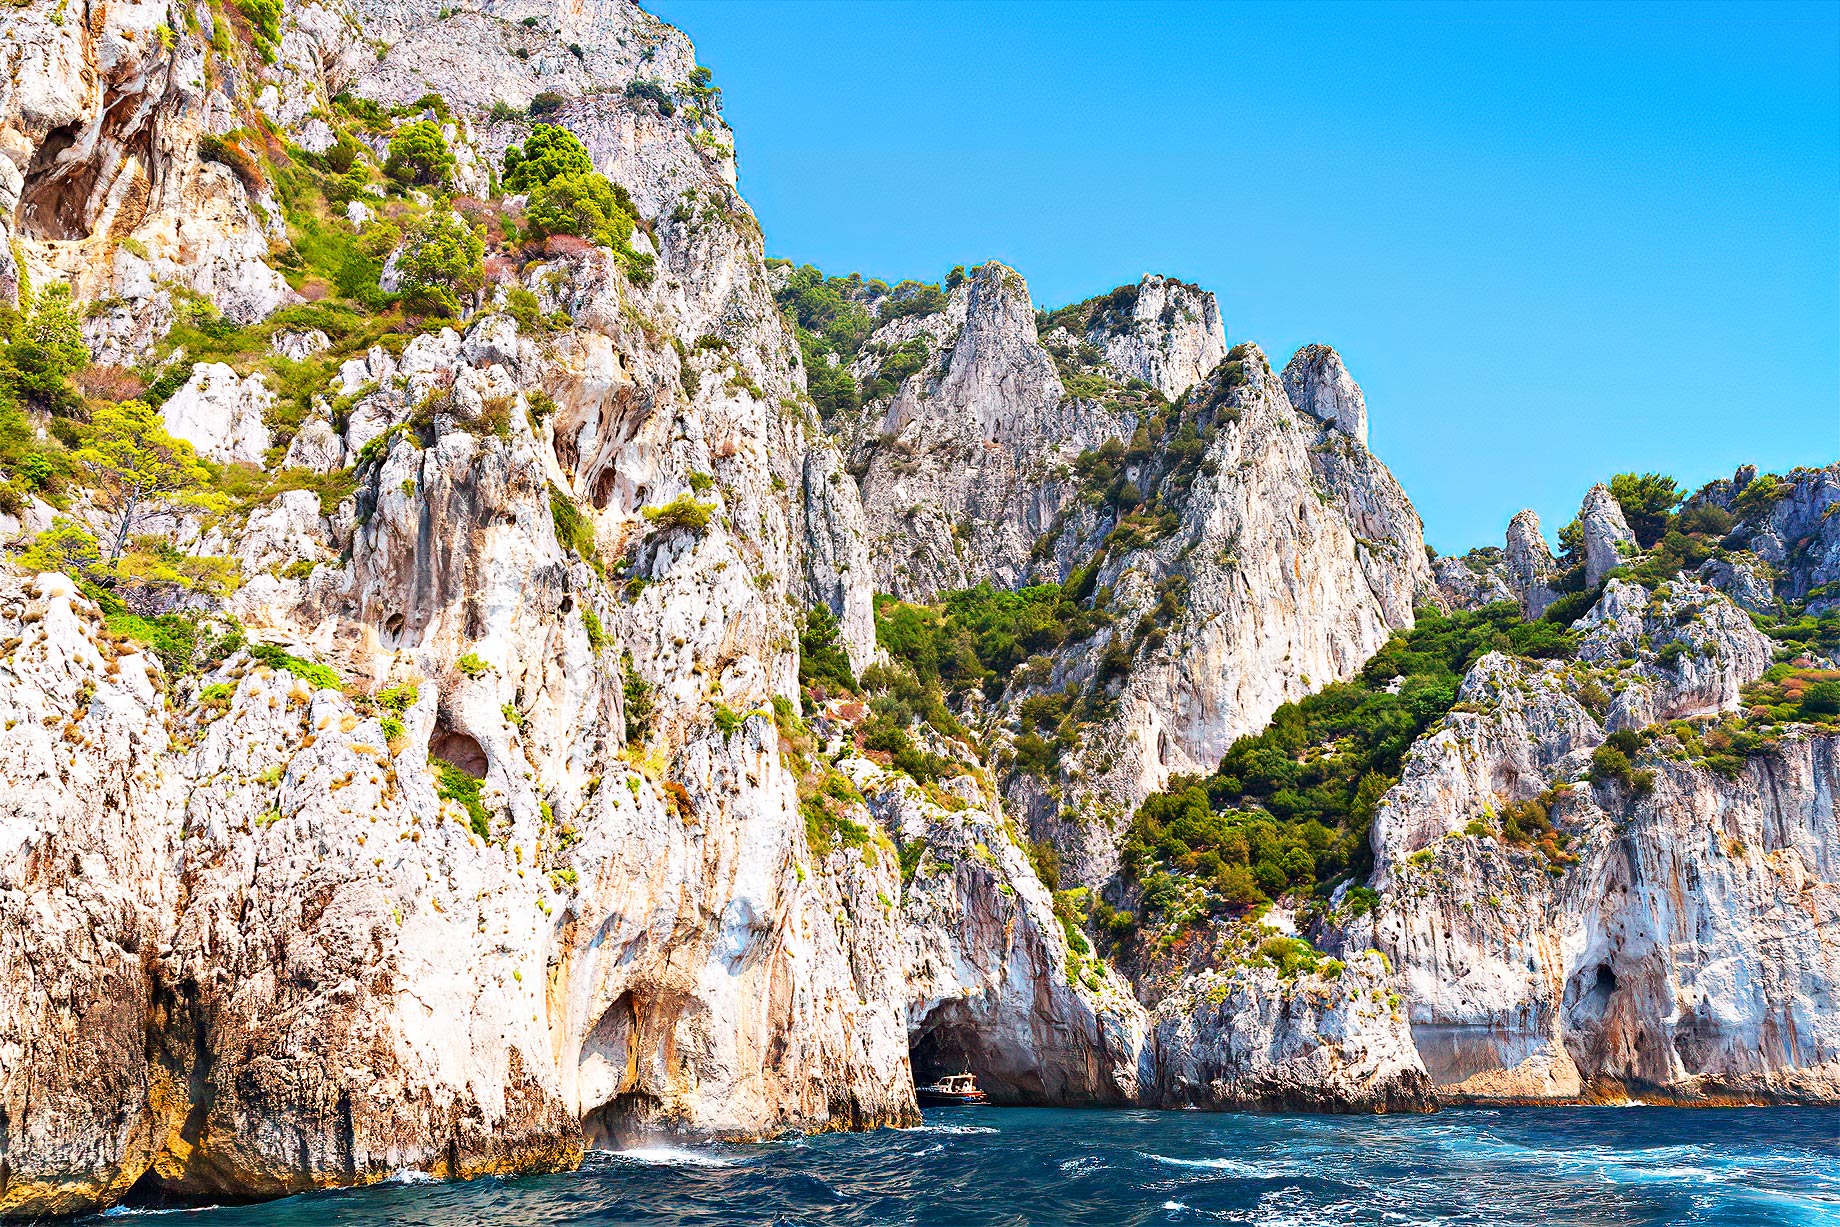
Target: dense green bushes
{"type": "Point", "coordinates": [418, 155]}
{"type": "Point", "coordinates": [1289, 808]}
{"type": "Point", "coordinates": [549, 151]}
{"type": "Point", "coordinates": [822, 659]}
{"type": "Point", "coordinates": [442, 259]}
{"type": "Point", "coordinates": [568, 196]}
{"type": "Point", "coordinates": [681, 512]}
{"type": "Point", "coordinates": [976, 637]}
{"type": "Point", "coordinates": [830, 316]}
{"type": "Point", "coordinates": [1648, 501]}
{"type": "Point", "coordinates": [827, 319]}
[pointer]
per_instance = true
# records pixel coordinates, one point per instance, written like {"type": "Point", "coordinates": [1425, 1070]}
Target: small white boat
{"type": "Point", "coordinates": [951, 1089]}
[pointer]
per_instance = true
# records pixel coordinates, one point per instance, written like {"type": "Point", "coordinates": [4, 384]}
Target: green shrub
{"type": "Point", "coordinates": [278, 658]}
{"type": "Point", "coordinates": [591, 622]}
{"type": "Point", "coordinates": [911, 298]}
{"type": "Point", "coordinates": [67, 546]}
{"type": "Point", "coordinates": [472, 664]}
{"type": "Point", "coordinates": [827, 828]}
{"type": "Point", "coordinates": [265, 24]}
{"type": "Point", "coordinates": [419, 155]}
{"type": "Point", "coordinates": [1648, 501]}
{"type": "Point", "coordinates": [523, 307]}
{"type": "Point", "coordinates": [441, 260]}
{"type": "Point", "coordinates": [227, 150]}
{"type": "Point", "coordinates": [1292, 956]}
{"type": "Point", "coordinates": [574, 530]}
{"type": "Point", "coordinates": [822, 658]}
{"type": "Point", "coordinates": [636, 694]}
{"type": "Point", "coordinates": [44, 348]}
{"type": "Point", "coordinates": [911, 854]}
{"type": "Point", "coordinates": [548, 152]}
{"type": "Point", "coordinates": [653, 92]}
{"type": "Point", "coordinates": [1610, 762]}
{"type": "Point", "coordinates": [454, 784]}
{"type": "Point", "coordinates": [681, 512]}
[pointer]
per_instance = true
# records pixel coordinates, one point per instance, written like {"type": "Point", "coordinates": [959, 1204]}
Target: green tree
{"type": "Point", "coordinates": [66, 546]}
{"type": "Point", "coordinates": [550, 151]}
{"type": "Point", "coordinates": [53, 326]}
{"type": "Point", "coordinates": [583, 203]}
{"type": "Point", "coordinates": [45, 349]}
{"type": "Point", "coordinates": [140, 474]}
{"type": "Point", "coordinates": [821, 654]}
{"type": "Point", "coordinates": [1648, 501]}
{"type": "Point", "coordinates": [441, 259]}
{"type": "Point", "coordinates": [419, 155]}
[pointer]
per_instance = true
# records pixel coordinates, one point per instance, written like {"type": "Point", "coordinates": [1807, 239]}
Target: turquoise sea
{"type": "Point", "coordinates": [1010, 1167]}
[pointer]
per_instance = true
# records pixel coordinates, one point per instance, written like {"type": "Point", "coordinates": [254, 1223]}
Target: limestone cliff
{"type": "Point", "coordinates": [459, 775]}
{"type": "Point", "coordinates": [1608, 972]}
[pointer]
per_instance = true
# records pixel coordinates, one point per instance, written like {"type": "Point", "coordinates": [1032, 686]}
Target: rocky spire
{"type": "Point", "coordinates": [1606, 534]}
{"type": "Point", "coordinates": [1319, 385]}
{"type": "Point", "coordinates": [1530, 565]}
{"type": "Point", "coordinates": [1172, 339]}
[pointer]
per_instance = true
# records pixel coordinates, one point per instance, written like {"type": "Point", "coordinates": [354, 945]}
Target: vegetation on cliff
{"type": "Point", "coordinates": [1289, 808]}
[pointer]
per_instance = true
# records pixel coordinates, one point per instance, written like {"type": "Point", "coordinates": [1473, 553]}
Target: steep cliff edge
{"type": "Point", "coordinates": [556, 696]}
{"type": "Point", "coordinates": [494, 854]}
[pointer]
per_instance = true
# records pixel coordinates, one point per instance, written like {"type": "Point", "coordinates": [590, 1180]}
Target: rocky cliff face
{"type": "Point", "coordinates": [315, 965]}
{"type": "Point", "coordinates": [1601, 971]}
{"type": "Point", "coordinates": [964, 466]}
{"type": "Point", "coordinates": [101, 185]}
{"type": "Point", "coordinates": [484, 817]}
{"type": "Point", "coordinates": [1291, 557]}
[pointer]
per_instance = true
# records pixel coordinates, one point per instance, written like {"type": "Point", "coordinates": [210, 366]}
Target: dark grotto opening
{"type": "Point", "coordinates": [54, 200]}
{"type": "Point", "coordinates": [628, 1119]}
{"type": "Point", "coordinates": [950, 1042]}
{"type": "Point", "coordinates": [460, 749]}
{"type": "Point", "coordinates": [631, 1115]}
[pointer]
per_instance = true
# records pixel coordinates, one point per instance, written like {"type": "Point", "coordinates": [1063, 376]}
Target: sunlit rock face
{"type": "Point", "coordinates": [494, 823]}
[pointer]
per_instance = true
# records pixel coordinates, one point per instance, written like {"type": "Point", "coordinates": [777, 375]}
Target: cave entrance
{"type": "Point", "coordinates": [458, 748]}
{"type": "Point", "coordinates": [629, 1119]}
{"type": "Point", "coordinates": [152, 1193]}
{"type": "Point", "coordinates": [54, 200]}
{"type": "Point", "coordinates": [612, 1057]}
{"type": "Point", "coordinates": [951, 1041]}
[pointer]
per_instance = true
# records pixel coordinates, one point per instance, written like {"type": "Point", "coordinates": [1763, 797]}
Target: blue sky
{"type": "Point", "coordinates": [1551, 242]}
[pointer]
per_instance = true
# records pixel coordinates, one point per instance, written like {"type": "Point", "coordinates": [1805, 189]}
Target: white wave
{"type": "Point", "coordinates": [953, 1129]}
{"type": "Point", "coordinates": [137, 1211]}
{"type": "Point", "coordinates": [670, 1156]}
{"type": "Point", "coordinates": [1237, 1166]}
{"type": "Point", "coordinates": [409, 1175]}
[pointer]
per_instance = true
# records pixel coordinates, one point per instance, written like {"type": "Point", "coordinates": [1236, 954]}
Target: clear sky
{"type": "Point", "coordinates": [1551, 242]}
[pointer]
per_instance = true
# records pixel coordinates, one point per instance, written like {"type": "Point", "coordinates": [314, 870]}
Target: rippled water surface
{"type": "Point", "coordinates": [1031, 1166]}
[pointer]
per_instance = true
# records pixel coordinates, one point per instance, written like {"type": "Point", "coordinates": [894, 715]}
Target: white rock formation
{"type": "Point", "coordinates": [100, 121]}
{"type": "Point", "coordinates": [1607, 539]}
{"type": "Point", "coordinates": [1530, 565]}
{"type": "Point", "coordinates": [1610, 972]}
{"type": "Point", "coordinates": [220, 414]}
{"type": "Point", "coordinates": [1171, 338]}
{"type": "Point", "coordinates": [1319, 385]}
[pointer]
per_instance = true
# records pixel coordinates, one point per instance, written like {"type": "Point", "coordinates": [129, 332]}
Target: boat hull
{"type": "Point", "coordinates": [939, 1099]}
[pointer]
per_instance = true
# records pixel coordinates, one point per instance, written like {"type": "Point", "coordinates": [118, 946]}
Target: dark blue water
{"type": "Point", "coordinates": [992, 1166]}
